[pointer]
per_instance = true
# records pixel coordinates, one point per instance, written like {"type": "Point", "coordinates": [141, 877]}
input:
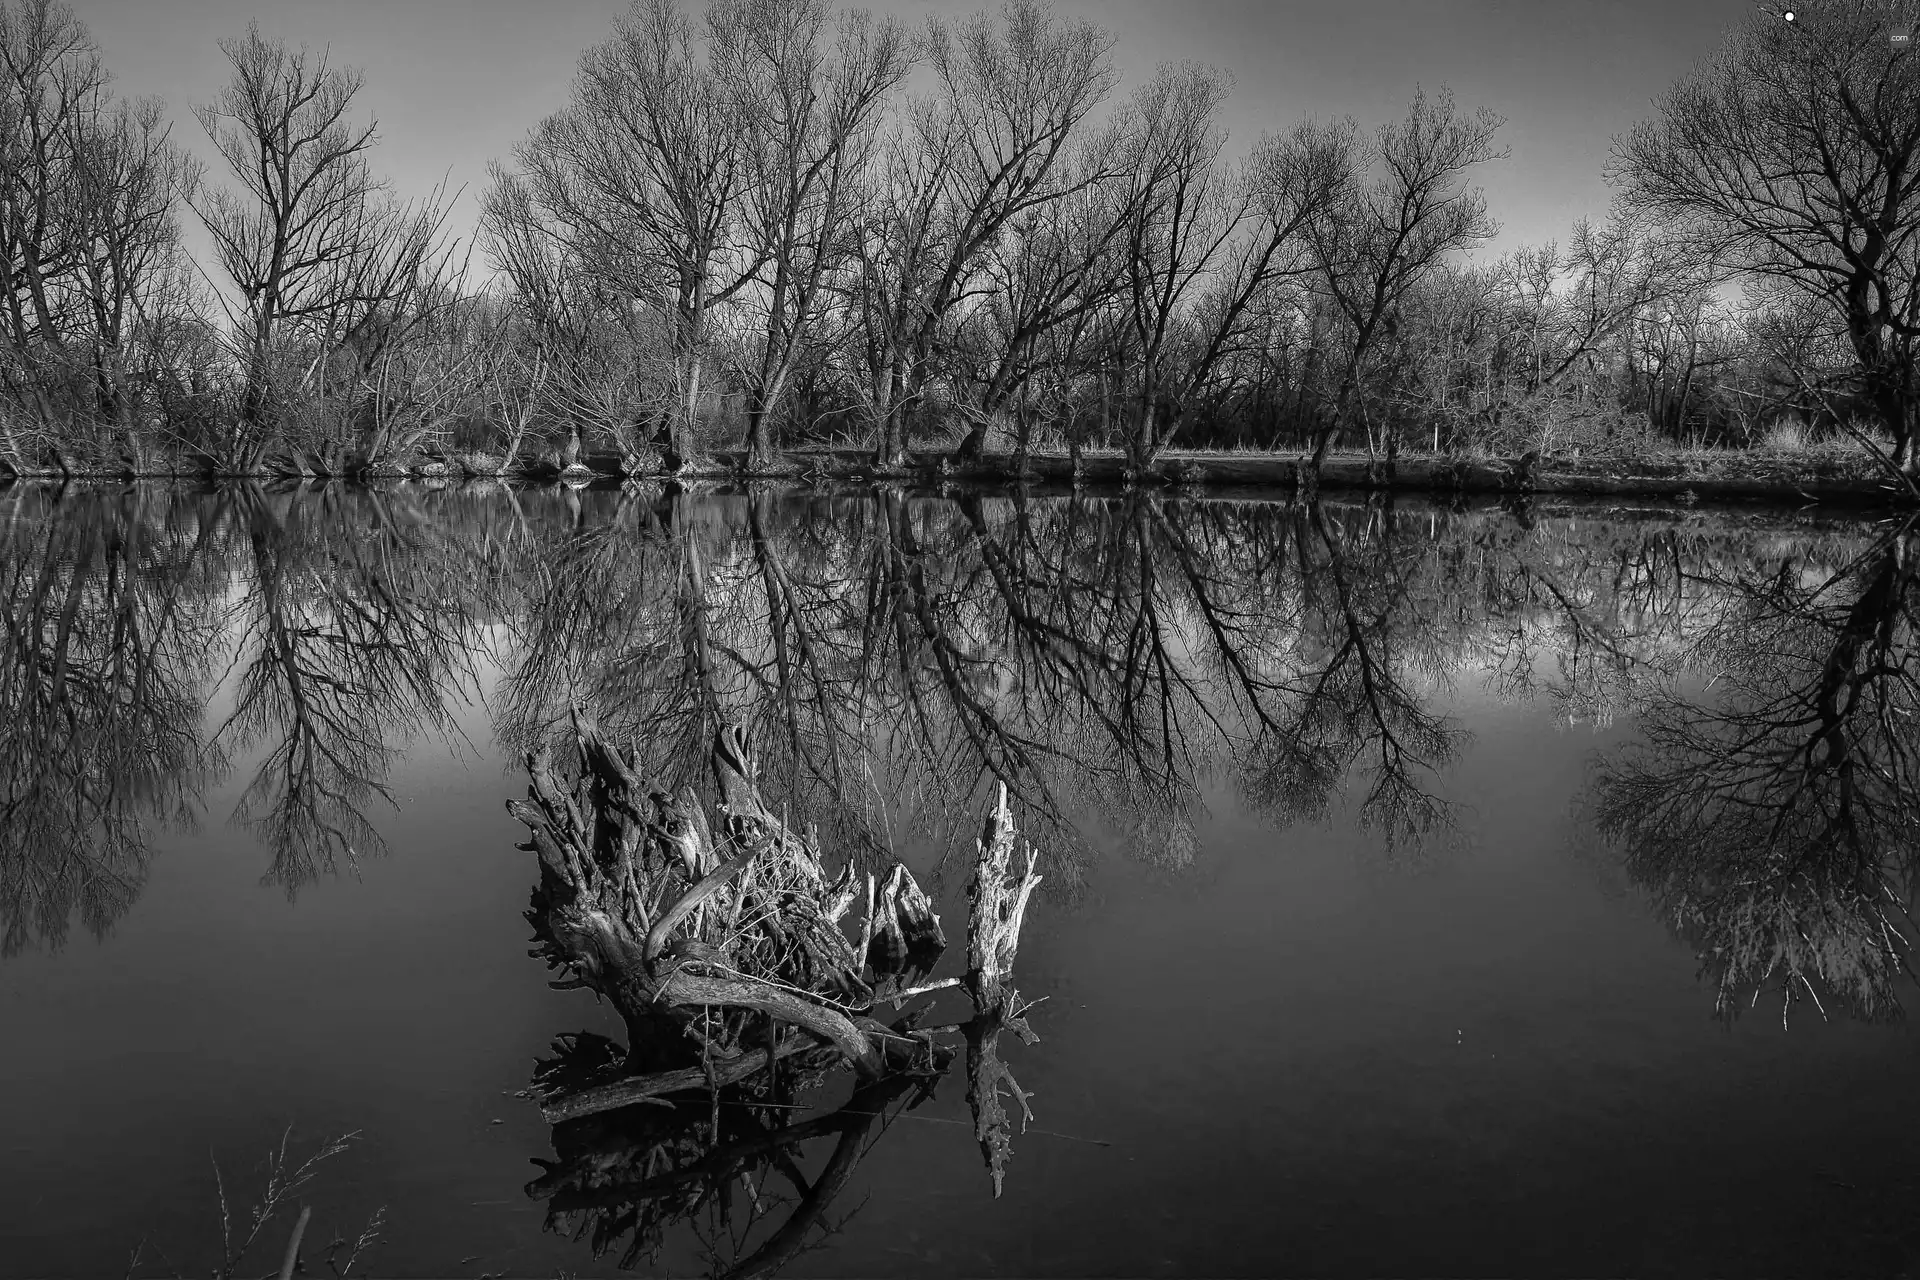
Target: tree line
{"type": "Point", "coordinates": [772, 223]}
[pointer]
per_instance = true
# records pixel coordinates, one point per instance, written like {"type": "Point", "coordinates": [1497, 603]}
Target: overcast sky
{"type": "Point", "coordinates": [455, 83]}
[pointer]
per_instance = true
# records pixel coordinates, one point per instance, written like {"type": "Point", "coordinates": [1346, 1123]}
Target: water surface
{"type": "Point", "coordinates": [1427, 891]}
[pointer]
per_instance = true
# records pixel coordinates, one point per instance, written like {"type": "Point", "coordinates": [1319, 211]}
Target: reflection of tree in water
{"type": "Point", "coordinates": [1354, 706]}
{"type": "Point", "coordinates": [896, 656]}
{"type": "Point", "coordinates": [1772, 806]}
{"type": "Point", "coordinates": [668, 615]}
{"type": "Point", "coordinates": [107, 615]}
{"type": "Point", "coordinates": [1110, 661]}
{"type": "Point", "coordinates": [1604, 608]}
{"type": "Point", "coordinates": [357, 629]}
{"type": "Point", "coordinates": [355, 618]}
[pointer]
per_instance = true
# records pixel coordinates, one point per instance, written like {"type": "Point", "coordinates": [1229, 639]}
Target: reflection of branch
{"type": "Point", "coordinates": [1092, 657]}
{"type": "Point", "coordinates": [353, 641]}
{"type": "Point", "coordinates": [638, 1171]}
{"type": "Point", "coordinates": [1353, 703]}
{"type": "Point", "coordinates": [855, 1122]}
{"type": "Point", "coordinates": [1006, 754]}
{"type": "Point", "coordinates": [1774, 822]}
{"type": "Point", "coordinates": [106, 636]}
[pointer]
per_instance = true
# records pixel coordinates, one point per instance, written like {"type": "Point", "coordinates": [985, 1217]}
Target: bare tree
{"type": "Point", "coordinates": [1795, 153]}
{"type": "Point", "coordinates": [1222, 277]}
{"type": "Point", "coordinates": [568, 345]}
{"type": "Point", "coordinates": [1047, 291]}
{"type": "Point", "coordinates": [645, 174]}
{"type": "Point", "coordinates": [89, 242]}
{"type": "Point", "coordinates": [52, 72]}
{"type": "Point", "coordinates": [122, 207]}
{"type": "Point", "coordinates": [980, 151]}
{"type": "Point", "coordinates": [811, 98]}
{"type": "Point", "coordinates": [1180, 216]}
{"type": "Point", "coordinates": [1405, 208]}
{"type": "Point", "coordinates": [310, 239]}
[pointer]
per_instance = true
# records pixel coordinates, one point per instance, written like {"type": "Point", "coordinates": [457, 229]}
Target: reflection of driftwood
{"type": "Point", "coordinates": [721, 944]}
{"type": "Point", "coordinates": [631, 1174]}
{"type": "Point", "coordinates": [662, 1084]}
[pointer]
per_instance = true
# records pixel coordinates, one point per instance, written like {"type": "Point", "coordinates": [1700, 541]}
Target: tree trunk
{"type": "Point", "coordinates": [890, 450]}
{"type": "Point", "coordinates": [760, 452]}
{"type": "Point", "coordinates": [1898, 412]}
{"type": "Point", "coordinates": [686, 426]}
{"type": "Point", "coordinates": [1140, 439]}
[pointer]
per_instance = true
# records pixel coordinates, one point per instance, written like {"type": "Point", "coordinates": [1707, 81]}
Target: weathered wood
{"type": "Point", "coordinates": [708, 886]}
{"type": "Point", "coordinates": [632, 903]}
{"type": "Point", "coordinates": [993, 939]}
{"type": "Point", "coordinates": [999, 910]}
{"type": "Point", "coordinates": [703, 955]}
{"type": "Point", "coordinates": [832, 1026]}
{"type": "Point", "coordinates": [906, 937]}
{"type": "Point", "coordinates": [636, 1090]}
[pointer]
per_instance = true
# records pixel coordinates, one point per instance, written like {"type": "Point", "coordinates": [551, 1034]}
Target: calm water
{"type": "Point", "coordinates": [1427, 892]}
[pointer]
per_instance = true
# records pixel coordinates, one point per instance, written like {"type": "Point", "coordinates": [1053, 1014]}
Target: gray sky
{"type": "Point", "coordinates": [454, 83]}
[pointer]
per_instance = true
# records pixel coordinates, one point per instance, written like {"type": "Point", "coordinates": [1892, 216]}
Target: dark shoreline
{"type": "Point", "coordinates": [1224, 475]}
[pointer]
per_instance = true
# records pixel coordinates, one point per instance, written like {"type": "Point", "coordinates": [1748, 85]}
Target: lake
{"type": "Point", "coordinates": [1426, 890]}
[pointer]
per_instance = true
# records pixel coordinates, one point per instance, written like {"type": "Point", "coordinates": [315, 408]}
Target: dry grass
{"type": "Point", "coordinates": [285, 1179]}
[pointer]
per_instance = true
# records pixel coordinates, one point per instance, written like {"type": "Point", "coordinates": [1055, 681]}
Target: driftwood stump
{"type": "Point", "coordinates": [745, 982]}
{"type": "Point", "coordinates": [677, 921]}
{"type": "Point", "coordinates": [703, 932]}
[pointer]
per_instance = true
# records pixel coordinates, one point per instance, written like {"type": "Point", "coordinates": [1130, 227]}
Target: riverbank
{"type": "Point", "coordinates": [1694, 477]}
{"type": "Point", "coordinates": [1796, 479]}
